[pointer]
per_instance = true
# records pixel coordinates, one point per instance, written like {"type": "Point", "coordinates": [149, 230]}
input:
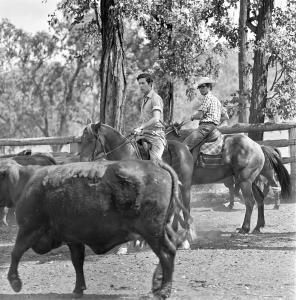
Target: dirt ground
{"type": "Point", "coordinates": [220, 265]}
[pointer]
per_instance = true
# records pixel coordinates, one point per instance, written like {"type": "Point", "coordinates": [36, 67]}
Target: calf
{"type": "Point", "coordinates": [99, 204]}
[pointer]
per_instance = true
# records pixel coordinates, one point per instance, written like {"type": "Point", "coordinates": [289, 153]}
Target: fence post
{"type": "Point", "coordinates": [74, 148]}
{"type": "Point", "coordinates": [292, 135]}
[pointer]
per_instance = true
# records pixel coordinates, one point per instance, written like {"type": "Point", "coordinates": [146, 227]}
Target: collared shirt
{"type": "Point", "coordinates": [211, 108]}
{"type": "Point", "coordinates": [151, 102]}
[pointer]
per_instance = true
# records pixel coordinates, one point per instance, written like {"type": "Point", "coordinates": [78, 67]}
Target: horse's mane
{"type": "Point", "coordinates": [89, 129]}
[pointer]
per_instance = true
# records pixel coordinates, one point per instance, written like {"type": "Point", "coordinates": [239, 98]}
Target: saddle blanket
{"type": "Point", "coordinates": [213, 148]}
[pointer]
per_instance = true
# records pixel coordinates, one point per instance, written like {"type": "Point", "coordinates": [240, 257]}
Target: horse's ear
{"type": "Point", "coordinates": [96, 127]}
{"type": "Point", "coordinates": [88, 121]}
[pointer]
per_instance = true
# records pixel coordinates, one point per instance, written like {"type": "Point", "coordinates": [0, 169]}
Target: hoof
{"type": "Point", "coordinates": [242, 230]}
{"type": "Point", "coordinates": [185, 245]}
{"type": "Point", "coordinates": [256, 231]}
{"type": "Point", "coordinates": [122, 251]}
{"type": "Point", "coordinates": [276, 206]}
{"type": "Point", "coordinates": [16, 284]}
{"type": "Point", "coordinates": [77, 295]}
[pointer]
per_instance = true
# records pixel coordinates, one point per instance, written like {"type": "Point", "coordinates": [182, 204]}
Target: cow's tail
{"type": "Point", "coordinates": [274, 159]}
{"type": "Point", "coordinates": [186, 220]}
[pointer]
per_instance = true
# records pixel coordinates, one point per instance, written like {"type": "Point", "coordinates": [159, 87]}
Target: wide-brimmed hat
{"type": "Point", "coordinates": [204, 80]}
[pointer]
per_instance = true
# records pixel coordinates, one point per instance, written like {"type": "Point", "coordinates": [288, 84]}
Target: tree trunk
{"type": "Point", "coordinates": [243, 116]}
{"type": "Point", "coordinates": [166, 92]}
{"type": "Point", "coordinates": [260, 69]}
{"type": "Point", "coordinates": [113, 81]}
{"type": "Point", "coordinates": [165, 81]}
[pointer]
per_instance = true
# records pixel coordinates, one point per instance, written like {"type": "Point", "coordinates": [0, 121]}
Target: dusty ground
{"type": "Point", "coordinates": [221, 264]}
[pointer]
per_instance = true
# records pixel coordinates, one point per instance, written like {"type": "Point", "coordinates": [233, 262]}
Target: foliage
{"type": "Point", "coordinates": [281, 50]}
{"type": "Point", "coordinates": [187, 47]}
{"type": "Point", "coordinates": [42, 82]}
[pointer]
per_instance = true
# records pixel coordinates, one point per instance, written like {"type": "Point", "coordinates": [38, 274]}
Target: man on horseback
{"type": "Point", "coordinates": [210, 114]}
{"type": "Point", "coordinates": [151, 118]}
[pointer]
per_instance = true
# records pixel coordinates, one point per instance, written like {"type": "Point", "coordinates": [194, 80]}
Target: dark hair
{"type": "Point", "coordinates": [147, 76]}
{"type": "Point", "coordinates": [210, 85]}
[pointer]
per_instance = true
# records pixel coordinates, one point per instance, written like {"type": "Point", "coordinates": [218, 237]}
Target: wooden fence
{"type": "Point", "coordinates": [237, 128]}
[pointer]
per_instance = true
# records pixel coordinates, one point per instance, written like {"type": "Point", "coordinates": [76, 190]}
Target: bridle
{"type": "Point", "coordinates": [98, 155]}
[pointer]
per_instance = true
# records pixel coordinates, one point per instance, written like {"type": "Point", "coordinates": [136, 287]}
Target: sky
{"type": "Point", "coordinates": [29, 15]}
{"type": "Point", "coordinates": [32, 15]}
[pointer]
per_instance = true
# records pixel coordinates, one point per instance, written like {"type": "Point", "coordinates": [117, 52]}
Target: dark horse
{"type": "Point", "coordinates": [272, 168]}
{"type": "Point", "coordinates": [243, 159]}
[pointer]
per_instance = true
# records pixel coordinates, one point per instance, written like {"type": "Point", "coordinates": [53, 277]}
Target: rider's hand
{"type": "Point", "coordinates": [138, 130]}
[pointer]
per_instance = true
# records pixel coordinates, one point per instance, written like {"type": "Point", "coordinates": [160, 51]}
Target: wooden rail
{"type": "Point", "coordinates": [40, 141]}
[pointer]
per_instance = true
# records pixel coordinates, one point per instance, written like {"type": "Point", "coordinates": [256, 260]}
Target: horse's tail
{"type": "Point", "coordinates": [176, 198]}
{"type": "Point", "coordinates": [277, 150]}
{"type": "Point", "coordinates": [273, 157]}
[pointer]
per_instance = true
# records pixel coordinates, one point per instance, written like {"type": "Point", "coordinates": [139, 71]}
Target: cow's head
{"type": "Point", "coordinates": [9, 178]}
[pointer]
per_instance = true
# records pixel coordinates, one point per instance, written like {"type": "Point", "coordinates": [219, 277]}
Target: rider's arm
{"type": "Point", "coordinates": [155, 118]}
{"type": "Point", "coordinates": [197, 116]}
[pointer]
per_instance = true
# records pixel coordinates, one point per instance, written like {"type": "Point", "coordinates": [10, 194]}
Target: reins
{"type": "Point", "coordinates": [179, 127]}
{"type": "Point", "coordinates": [127, 139]}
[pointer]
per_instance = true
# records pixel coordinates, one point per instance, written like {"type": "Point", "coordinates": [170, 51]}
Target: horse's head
{"type": "Point", "coordinates": [92, 143]}
{"type": "Point", "coordinates": [100, 141]}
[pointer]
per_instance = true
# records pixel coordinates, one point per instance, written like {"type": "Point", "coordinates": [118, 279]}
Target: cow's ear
{"type": "Point", "coordinates": [14, 174]}
{"type": "Point", "coordinates": [88, 121]}
{"type": "Point", "coordinates": [96, 127]}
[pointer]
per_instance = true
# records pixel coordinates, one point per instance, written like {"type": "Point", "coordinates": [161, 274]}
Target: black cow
{"type": "Point", "coordinates": [26, 158]}
{"type": "Point", "coordinates": [101, 204]}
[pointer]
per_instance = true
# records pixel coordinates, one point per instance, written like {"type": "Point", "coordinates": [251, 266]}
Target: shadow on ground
{"type": "Point", "coordinates": [54, 296]}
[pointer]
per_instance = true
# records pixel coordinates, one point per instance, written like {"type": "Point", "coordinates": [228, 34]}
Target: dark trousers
{"type": "Point", "coordinates": [197, 136]}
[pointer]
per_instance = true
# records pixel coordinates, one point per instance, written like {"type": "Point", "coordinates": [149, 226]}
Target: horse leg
{"type": "Point", "coordinates": [246, 188]}
{"type": "Point", "coordinates": [5, 213]}
{"type": "Point", "coordinates": [229, 183]}
{"type": "Point", "coordinates": [77, 257]}
{"type": "Point", "coordinates": [277, 197]}
{"type": "Point", "coordinates": [259, 196]}
{"type": "Point", "coordinates": [272, 182]}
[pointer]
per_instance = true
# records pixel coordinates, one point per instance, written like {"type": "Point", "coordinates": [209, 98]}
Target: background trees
{"type": "Point", "coordinates": [87, 66]}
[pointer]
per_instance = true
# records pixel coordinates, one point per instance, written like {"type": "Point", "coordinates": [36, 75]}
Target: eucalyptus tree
{"type": "Point", "coordinates": [187, 48]}
{"type": "Point", "coordinates": [102, 22]}
{"type": "Point", "coordinates": [271, 41]}
{"type": "Point", "coordinates": [45, 81]}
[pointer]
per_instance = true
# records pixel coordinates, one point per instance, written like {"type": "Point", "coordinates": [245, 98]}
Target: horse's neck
{"type": "Point", "coordinates": [121, 150]}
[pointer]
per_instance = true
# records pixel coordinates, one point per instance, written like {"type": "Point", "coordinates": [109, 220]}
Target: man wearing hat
{"type": "Point", "coordinates": [210, 114]}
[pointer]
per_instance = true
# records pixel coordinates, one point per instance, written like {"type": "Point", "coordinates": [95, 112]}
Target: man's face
{"type": "Point", "coordinates": [203, 89]}
{"type": "Point", "coordinates": [145, 87]}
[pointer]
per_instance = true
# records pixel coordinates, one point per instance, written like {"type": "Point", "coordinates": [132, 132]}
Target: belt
{"type": "Point", "coordinates": [208, 123]}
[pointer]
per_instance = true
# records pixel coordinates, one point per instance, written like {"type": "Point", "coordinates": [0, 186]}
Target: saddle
{"type": "Point", "coordinates": [144, 147]}
{"type": "Point", "coordinates": [208, 154]}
